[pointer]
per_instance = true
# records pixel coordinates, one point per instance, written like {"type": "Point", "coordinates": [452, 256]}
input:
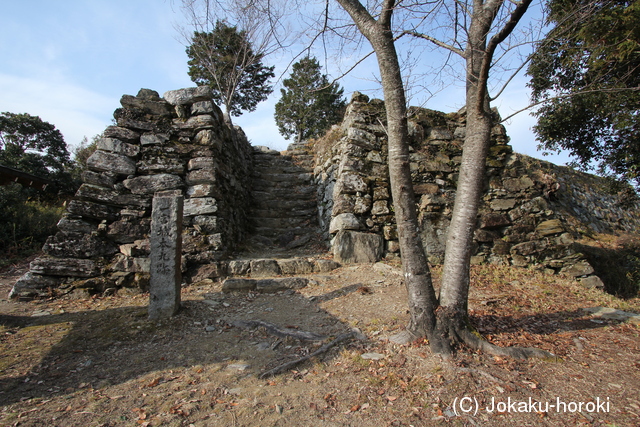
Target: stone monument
{"type": "Point", "coordinates": [166, 253]}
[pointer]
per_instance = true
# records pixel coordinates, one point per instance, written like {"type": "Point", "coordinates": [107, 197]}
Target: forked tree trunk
{"type": "Point", "coordinates": [417, 275]}
{"type": "Point", "coordinates": [454, 292]}
{"type": "Point", "coordinates": [443, 321]}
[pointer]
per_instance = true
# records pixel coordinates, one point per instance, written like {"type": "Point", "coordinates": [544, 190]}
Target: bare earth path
{"type": "Point", "coordinates": [100, 362]}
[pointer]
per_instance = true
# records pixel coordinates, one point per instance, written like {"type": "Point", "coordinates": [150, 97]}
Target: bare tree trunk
{"type": "Point", "coordinates": [417, 275]}
{"type": "Point", "coordinates": [454, 291]}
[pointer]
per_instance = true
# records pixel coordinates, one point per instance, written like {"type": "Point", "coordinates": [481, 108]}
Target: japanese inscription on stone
{"type": "Point", "coordinates": [166, 252]}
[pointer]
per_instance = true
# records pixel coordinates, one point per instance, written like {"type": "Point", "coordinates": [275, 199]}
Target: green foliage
{"type": "Point", "coordinates": [586, 73]}
{"type": "Point", "coordinates": [309, 105]}
{"type": "Point", "coordinates": [224, 60]}
{"type": "Point", "coordinates": [25, 223]}
{"type": "Point", "coordinates": [31, 145]}
{"type": "Point", "coordinates": [28, 216]}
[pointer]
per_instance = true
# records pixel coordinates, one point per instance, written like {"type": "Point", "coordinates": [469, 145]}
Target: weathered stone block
{"type": "Point", "coordinates": [350, 183]}
{"type": "Point", "coordinates": [196, 123]}
{"type": "Point", "coordinates": [133, 264]}
{"type": "Point", "coordinates": [102, 161]}
{"type": "Point", "coordinates": [381, 193]}
{"type": "Point", "coordinates": [580, 268]}
{"type": "Point", "coordinates": [295, 266]}
{"type": "Point", "coordinates": [128, 231]}
{"type": "Point", "coordinates": [206, 224]}
{"type": "Point", "coordinates": [356, 247]}
{"type": "Point", "coordinates": [528, 248]}
{"type": "Point", "coordinates": [236, 284]}
{"type": "Point", "coordinates": [202, 190]}
{"type": "Point", "coordinates": [76, 225]}
{"type": "Point", "coordinates": [207, 137]}
{"type": "Point", "coordinates": [502, 204]}
{"type": "Point", "coordinates": [148, 106]}
{"type": "Point", "coordinates": [31, 285]}
{"type": "Point", "coordinates": [202, 176]}
{"type": "Point", "coordinates": [71, 267]}
{"type": "Point", "coordinates": [110, 197]}
{"type": "Point", "coordinates": [380, 207]}
{"type": "Point", "coordinates": [153, 139]}
{"type": "Point", "coordinates": [494, 220]}
{"type": "Point", "coordinates": [161, 165]}
{"type": "Point", "coordinates": [239, 267]}
{"type": "Point", "coordinates": [264, 268]}
{"type": "Point", "coordinates": [200, 206]}
{"type": "Point", "coordinates": [92, 210]}
{"type": "Point", "coordinates": [149, 184]}
{"type": "Point", "coordinates": [101, 179]}
{"type": "Point", "coordinates": [202, 107]}
{"type": "Point", "coordinates": [592, 282]}
{"type": "Point", "coordinates": [324, 265]}
{"type": "Point", "coordinates": [188, 95]}
{"type": "Point", "coordinates": [201, 163]}
{"type": "Point", "coordinates": [116, 146]}
{"type": "Point", "coordinates": [515, 185]}
{"type": "Point", "coordinates": [78, 245]}
{"type": "Point", "coordinates": [121, 133]}
{"type": "Point", "coordinates": [550, 227]}
{"type": "Point", "coordinates": [344, 221]}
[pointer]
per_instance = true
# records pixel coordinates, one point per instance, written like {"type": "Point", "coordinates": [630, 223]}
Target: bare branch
{"type": "Point", "coordinates": [436, 42]}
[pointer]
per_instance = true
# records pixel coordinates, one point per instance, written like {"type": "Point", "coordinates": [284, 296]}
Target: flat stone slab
{"type": "Point", "coordinates": [614, 314]}
{"type": "Point", "coordinates": [264, 285]}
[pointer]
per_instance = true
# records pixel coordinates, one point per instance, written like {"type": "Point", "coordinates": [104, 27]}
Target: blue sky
{"type": "Point", "coordinates": [69, 62]}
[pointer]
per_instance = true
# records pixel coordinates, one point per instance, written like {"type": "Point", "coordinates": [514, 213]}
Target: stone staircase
{"type": "Point", "coordinates": [283, 218]}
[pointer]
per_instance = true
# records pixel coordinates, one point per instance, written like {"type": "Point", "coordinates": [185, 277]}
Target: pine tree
{"type": "Point", "coordinates": [224, 60]}
{"type": "Point", "coordinates": [310, 104]}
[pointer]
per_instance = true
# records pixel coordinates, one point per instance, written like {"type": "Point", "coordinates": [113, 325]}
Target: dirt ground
{"type": "Point", "coordinates": [101, 362]}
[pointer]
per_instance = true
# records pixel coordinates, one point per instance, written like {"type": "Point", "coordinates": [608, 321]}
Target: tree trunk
{"type": "Point", "coordinates": [417, 275]}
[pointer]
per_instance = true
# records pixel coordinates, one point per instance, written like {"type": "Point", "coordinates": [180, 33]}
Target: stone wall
{"type": "Point", "coordinates": [179, 142]}
{"type": "Point", "coordinates": [532, 211]}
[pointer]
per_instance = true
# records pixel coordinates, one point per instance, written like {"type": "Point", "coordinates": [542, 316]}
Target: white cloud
{"type": "Point", "coordinates": [72, 109]}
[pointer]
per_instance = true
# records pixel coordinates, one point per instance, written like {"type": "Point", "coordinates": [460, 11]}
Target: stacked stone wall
{"type": "Point", "coordinates": [179, 142]}
{"type": "Point", "coordinates": [532, 211]}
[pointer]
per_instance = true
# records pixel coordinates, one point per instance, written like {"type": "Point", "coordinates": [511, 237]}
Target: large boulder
{"type": "Point", "coordinates": [351, 247]}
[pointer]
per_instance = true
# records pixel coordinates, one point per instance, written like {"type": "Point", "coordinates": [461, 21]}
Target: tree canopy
{"type": "Point", "coordinates": [309, 104]}
{"type": "Point", "coordinates": [586, 74]}
{"type": "Point", "coordinates": [32, 145]}
{"type": "Point", "coordinates": [224, 60]}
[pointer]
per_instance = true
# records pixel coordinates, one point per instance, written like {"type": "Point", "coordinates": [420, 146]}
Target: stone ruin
{"type": "Point", "coordinates": [256, 213]}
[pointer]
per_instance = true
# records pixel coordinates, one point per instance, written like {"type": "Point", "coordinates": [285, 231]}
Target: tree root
{"type": "Point", "coordinates": [278, 331]}
{"type": "Point", "coordinates": [522, 353]}
{"type": "Point", "coordinates": [323, 349]}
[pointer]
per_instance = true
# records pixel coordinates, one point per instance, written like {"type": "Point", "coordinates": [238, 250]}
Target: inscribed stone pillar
{"type": "Point", "coordinates": [166, 252]}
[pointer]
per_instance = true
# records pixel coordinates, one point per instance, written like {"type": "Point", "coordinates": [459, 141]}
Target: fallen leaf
{"type": "Point", "coordinates": [392, 398]}
{"type": "Point", "coordinates": [154, 383]}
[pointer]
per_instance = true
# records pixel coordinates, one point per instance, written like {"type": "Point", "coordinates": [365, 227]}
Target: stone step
{"type": "Point", "coordinates": [286, 205]}
{"type": "Point", "coordinates": [286, 167]}
{"type": "Point", "coordinates": [271, 267]}
{"type": "Point", "coordinates": [283, 189]}
{"type": "Point", "coordinates": [278, 213]}
{"type": "Point", "coordinates": [279, 193]}
{"type": "Point", "coordinates": [280, 223]}
{"type": "Point", "coordinates": [290, 178]}
{"type": "Point", "coordinates": [280, 233]}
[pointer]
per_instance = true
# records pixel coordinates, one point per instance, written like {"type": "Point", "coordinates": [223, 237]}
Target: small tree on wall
{"type": "Point", "coordinates": [224, 60]}
{"type": "Point", "coordinates": [309, 104]}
